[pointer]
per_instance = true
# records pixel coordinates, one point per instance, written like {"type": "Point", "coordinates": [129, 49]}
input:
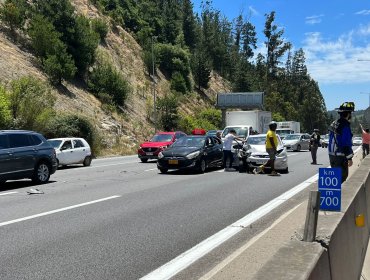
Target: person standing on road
{"type": "Point", "coordinates": [271, 149]}
{"type": "Point", "coordinates": [365, 141]}
{"type": "Point", "coordinates": [340, 139]}
{"type": "Point", "coordinates": [228, 142]}
{"type": "Point", "coordinates": [314, 145]}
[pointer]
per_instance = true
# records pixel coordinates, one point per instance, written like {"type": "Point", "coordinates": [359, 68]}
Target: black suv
{"type": "Point", "coordinates": [25, 154]}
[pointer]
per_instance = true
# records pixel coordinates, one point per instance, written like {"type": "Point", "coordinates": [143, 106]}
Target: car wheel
{"type": "Point", "coordinates": [144, 160]}
{"type": "Point", "coordinates": [299, 148]}
{"type": "Point", "coordinates": [163, 170]}
{"type": "Point", "coordinates": [285, 171]}
{"type": "Point", "coordinates": [42, 173]}
{"type": "Point", "coordinates": [202, 166]}
{"type": "Point", "coordinates": [87, 161]}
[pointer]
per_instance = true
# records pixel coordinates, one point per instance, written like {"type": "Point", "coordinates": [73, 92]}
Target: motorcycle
{"type": "Point", "coordinates": [243, 152]}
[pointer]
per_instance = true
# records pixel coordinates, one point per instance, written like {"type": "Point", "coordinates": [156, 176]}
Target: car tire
{"type": "Point", "coordinates": [285, 171]}
{"type": "Point", "coordinates": [87, 161]}
{"type": "Point", "coordinates": [299, 148]}
{"type": "Point", "coordinates": [163, 170]}
{"type": "Point", "coordinates": [202, 166]}
{"type": "Point", "coordinates": [144, 160]}
{"type": "Point", "coordinates": [42, 173]}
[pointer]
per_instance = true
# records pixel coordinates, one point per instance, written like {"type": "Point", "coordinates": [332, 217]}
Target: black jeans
{"type": "Point", "coordinates": [314, 153]}
{"type": "Point", "coordinates": [340, 162]}
{"type": "Point", "coordinates": [365, 150]}
{"type": "Point", "coordinates": [228, 154]}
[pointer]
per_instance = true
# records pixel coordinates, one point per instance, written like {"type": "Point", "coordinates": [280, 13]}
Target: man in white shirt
{"type": "Point", "coordinates": [228, 142]}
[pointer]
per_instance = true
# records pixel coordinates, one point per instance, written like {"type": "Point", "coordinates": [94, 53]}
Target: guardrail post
{"type": "Point", "coordinates": [312, 214]}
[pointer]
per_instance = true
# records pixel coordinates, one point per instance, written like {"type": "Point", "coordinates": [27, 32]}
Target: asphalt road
{"type": "Point", "coordinates": [121, 219]}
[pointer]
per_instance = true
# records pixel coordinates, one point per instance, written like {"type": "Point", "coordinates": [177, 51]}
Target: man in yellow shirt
{"type": "Point", "coordinates": [271, 149]}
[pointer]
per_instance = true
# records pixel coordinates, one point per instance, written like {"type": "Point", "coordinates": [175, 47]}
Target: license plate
{"type": "Point", "coordinates": [173, 161]}
{"type": "Point", "coordinates": [149, 154]}
{"type": "Point", "coordinates": [260, 162]}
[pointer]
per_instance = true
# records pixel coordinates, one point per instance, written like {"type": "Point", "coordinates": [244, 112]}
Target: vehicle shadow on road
{"type": "Point", "coordinates": [13, 185]}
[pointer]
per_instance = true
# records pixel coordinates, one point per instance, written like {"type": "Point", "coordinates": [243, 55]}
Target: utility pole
{"type": "Point", "coordinates": [154, 89]}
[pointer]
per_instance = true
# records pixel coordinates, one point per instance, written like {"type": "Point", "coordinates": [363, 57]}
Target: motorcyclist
{"type": "Point", "coordinates": [340, 139]}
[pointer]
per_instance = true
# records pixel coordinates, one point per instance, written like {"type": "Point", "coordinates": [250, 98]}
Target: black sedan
{"type": "Point", "coordinates": [195, 152]}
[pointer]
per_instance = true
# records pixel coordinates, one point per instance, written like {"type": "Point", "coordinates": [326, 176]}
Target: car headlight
{"type": "Point", "coordinates": [160, 155]}
{"type": "Point", "coordinates": [193, 155]}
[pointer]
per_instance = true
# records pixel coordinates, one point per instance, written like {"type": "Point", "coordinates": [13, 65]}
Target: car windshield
{"type": "Point", "coordinates": [161, 138]}
{"type": "Point", "coordinates": [256, 140]}
{"type": "Point", "coordinates": [240, 131]}
{"type": "Point", "coordinates": [189, 141]}
{"type": "Point", "coordinates": [55, 143]}
{"type": "Point", "coordinates": [292, 137]}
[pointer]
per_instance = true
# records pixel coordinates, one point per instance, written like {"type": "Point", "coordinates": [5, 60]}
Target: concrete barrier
{"type": "Point", "coordinates": [340, 247]}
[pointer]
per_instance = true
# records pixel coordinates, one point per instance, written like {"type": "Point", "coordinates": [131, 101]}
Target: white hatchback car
{"type": "Point", "coordinates": [259, 155]}
{"type": "Point", "coordinates": [71, 151]}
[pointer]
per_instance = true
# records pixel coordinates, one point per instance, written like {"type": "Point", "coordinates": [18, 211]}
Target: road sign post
{"type": "Point", "coordinates": [330, 188]}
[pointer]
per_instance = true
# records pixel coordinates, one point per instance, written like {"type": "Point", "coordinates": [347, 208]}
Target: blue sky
{"type": "Point", "coordinates": [334, 34]}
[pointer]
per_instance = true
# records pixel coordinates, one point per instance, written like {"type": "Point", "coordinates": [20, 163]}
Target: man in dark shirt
{"type": "Point", "coordinates": [314, 145]}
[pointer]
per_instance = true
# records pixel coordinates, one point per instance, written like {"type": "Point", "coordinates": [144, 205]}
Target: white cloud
{"type": "Point", "coordinates": [314, 19]}
{"type": "Point", "coordinates": [364, 30]}
{"type": "Point", "coordinates": [337, 61]}
{"type": "Point", "coordinates": [363, 13]}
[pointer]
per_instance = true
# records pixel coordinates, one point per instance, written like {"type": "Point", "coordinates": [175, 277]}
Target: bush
{"type": "Point", "coordinates": [168, 115]}
{"type": "Point", "coordinates": [104, 79]}
{"type": "Point", "coordinates": [178, 83]}
{"type": "Point", "coordinates": [31, 103]}
{"type": "Point", "coordinates": [72, 126]}
{"type": "Point", "coordinates": [100, 27]}
{"type": "Point", "coordinates": [5, 113]}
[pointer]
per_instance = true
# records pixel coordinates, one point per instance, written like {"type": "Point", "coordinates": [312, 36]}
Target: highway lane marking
{"type": "Point", "coordinates": [151, 169]}
{"type": "Point", "coordinates": [241, 250]}
{"type": "Point", "coordinates": [184, 260]}
{"type": "Point", "coordinates": [7, 193]}
{"type": "Point", "coordinates": [57, 210]}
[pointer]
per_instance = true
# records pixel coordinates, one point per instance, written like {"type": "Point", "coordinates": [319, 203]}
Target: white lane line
{"type": "Point", "coordinates": [57, 210]}
{"type": "Point", "coordinates": [151, 169]}
{"type": "Point", "coordinates": [7, 193]}
{"type": "Point", "coordinates": [238, 252]}
{"type": "Point", "coordinates": [178, 264]}
{"type": "Point", "coordinates": [290, 155]}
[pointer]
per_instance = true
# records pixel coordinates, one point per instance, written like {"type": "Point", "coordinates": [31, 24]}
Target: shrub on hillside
{"type": "Point", "coordinates": [104, 79]}
{"type": "Point", "coordinates": [31, 103]}
{"type": "Point", "coordinates": [178, 83]}
{"type": "Point", "coordinates": [12, 14]}
{"type": "Point", "coordinates": [100, 27]}
{"type": "Point", "coordinates": [5, 114]}
{"type": "Point", "coordinates": [168, 115]}
{"type": "Point", "coordinates": [72, 126]}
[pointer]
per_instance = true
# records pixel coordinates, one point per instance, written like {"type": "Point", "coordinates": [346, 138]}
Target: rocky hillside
{"type": "Point", "coordinates": [131, 124]}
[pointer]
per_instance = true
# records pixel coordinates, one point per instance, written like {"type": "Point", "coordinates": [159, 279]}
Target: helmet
{"type": "Point", "coordinates": [346, 107]}
{"type": "Point", "coordinates": [272, 125]}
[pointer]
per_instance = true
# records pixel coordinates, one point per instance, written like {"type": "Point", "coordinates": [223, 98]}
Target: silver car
{"type": "Point", "coordinates": [297, 142]}
{"type": "Point", "coordinates": [259, 155]}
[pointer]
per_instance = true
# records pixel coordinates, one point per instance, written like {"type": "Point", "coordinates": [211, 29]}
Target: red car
{"type": "Point", "coordinates": [160, 141]}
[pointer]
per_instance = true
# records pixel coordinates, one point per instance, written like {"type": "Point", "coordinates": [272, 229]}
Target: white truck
{"type": "Point", "coordinates": [245, 121]}
{"type": "Point", "coordinates": [288, 127]}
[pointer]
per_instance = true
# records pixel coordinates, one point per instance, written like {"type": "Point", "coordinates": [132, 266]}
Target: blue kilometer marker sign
{"type": "Point", "coordinates": [330, 188]}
